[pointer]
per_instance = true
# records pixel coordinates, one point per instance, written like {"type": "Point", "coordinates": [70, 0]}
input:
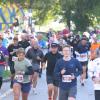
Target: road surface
{"type": "Point", "coordinates": [84, 93]}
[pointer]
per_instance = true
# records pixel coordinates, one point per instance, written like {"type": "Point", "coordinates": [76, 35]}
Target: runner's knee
{"type": "Point", "coordinates": [71, 98]}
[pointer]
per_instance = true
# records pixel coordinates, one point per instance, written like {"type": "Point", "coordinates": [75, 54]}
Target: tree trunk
{"type": "Point", "coordinates": [68, 18]}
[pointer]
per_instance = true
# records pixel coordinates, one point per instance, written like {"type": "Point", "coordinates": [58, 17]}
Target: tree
{"type": "Point", "coordinates": [67, 6]}
{"type": "Point", "coordinates": [78, 11]}
{"type": "Point", "coordinates": [82, 10]}
{"type": "Point", "coordinates": [82, 14]}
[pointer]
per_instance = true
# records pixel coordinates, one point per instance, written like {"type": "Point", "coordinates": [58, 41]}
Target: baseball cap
{"type": "Point", "coordinates": [54, 45]}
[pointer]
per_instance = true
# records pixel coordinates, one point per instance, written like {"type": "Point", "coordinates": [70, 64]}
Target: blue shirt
{"type": "Point", "coordinates": [83, 49]}
{"type": "Point", "coordinates": [42, 43]}
{"type": "Point", "coordinates": [72, 66]}
{"type": "Point", "coordinates": [5, 42]}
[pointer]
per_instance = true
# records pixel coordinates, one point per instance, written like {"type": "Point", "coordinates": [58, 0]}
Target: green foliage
{"type": "Point", "coordinates": [82, 11]}
{"type": "Point", "coordinates": [6, 74]}
{"type": "Point", "coordinates": [78, 11]}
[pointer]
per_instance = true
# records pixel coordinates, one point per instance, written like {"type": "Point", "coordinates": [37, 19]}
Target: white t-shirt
{"type": "Point", "coordinates": [94, 70]}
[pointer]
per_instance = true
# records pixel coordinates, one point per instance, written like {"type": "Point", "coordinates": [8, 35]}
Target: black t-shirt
{"type": "Point", "coordinates": [51, 61]}
{"type": "Point", "coordinates": [12, 48]}
{"type": "Point", "coordinates": [24, 44]}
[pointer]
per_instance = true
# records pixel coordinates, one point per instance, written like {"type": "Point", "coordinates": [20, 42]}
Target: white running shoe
{"type": "Point", "coordinates": [34, 91]}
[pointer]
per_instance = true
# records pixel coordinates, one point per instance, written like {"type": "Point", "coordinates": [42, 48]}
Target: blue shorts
{"type": "Point", "coordinates": [65, 94]}
{"type": "Point", "coordinates": [25, 87]}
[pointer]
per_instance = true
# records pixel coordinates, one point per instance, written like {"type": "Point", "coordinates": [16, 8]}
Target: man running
{"type": "Point", "coordinates": [82, 55]}
{"type": "Point", "coordinates": [12, 48]}
{"type": "Point", "coordinates": [51, 58]}
{"type": "Point", "coordinates": [94, 72]}
{"type": "Point", "coordinates": [35, 55]}
{"type": "Point", "coordinates": [24, 42]}
{"type": "Point", "coordinates": [67, 70]}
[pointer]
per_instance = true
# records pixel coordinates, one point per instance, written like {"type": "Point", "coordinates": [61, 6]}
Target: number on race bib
{"type": "Point", "coordinates": [19, 78]}
{"type": "Point", "coordinates": [14, 58]}
{"type": "Point", "coordinates": [66, 78]}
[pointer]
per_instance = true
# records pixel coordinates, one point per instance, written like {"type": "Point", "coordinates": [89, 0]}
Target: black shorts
{"type": "Point", "coordinates": [37, 71]}
{"type": "Point", "coordinates": [52, 80]}
{"type": "Point", "coordinates": [11, 65]}
{"type": "Point", "coordinates": [84, 63]}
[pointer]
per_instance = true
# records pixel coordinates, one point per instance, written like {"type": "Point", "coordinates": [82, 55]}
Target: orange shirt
{"type": "Point", "coordinates": [94, 46]}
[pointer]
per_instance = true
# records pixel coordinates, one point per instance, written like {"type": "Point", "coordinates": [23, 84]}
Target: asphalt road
{"type": "Point", "coordinates": [84, 93]}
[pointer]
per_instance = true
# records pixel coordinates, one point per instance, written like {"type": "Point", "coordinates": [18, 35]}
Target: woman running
{"type": "Point", "coordinates": [23, 70]}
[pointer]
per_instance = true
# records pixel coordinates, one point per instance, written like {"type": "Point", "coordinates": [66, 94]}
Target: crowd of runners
{"type": "Point", "coordinates": [68, 56]}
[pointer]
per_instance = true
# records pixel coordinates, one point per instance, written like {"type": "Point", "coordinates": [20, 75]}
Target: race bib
{"type": "Point", "coordinates": [66, 78]}
{"type": "Point", "coordinates": [19, 78]}
{"type": "Point", "coordinates": [14, 58]}
{"type": "Point", "coordinates": [82, 57]}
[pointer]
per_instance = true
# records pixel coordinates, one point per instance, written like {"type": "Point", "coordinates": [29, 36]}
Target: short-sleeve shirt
{"type": "Point", "coordinates": [51, 62]}
{"type": "Point", "coordinates": [4, 51]}
{"type": "Point", "coordinates": [22, 66]}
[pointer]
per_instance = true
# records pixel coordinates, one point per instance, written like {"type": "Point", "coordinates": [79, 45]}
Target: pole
{"type": "Point", "coordinates": [30, 12]}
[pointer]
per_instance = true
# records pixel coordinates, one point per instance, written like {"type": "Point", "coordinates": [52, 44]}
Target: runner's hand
{"type": "Point", "coordinates": [73, 77]}
{"type": "Point", "coordinates": [63, 71]}
{"type": "Point", "coordinates": [38, 58]}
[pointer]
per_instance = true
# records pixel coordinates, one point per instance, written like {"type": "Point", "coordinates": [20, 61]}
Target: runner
{"type": "Point", "coordinates": [95, 44]}
{"type": "Point", "coordinates": [94, 72]}
{"type": "Point", "coordinates": [35, 55]}
{"type": "Point", "coordinates": [51, 58]}
{"type": "Point", "coordinates": [12, 48]}
{"type": "Point", "coordinates": [41, 42]}
{"type": "Point", "coordinates": [67, 70]}
{"type": "Point", "coordinates": [23, 70]}
{"type": "Point", "coordinates": [3, 60]}
{"type": "Point", "coordinates": [24, 42]}
{"type": "Point", "coordinates": [82, 54]}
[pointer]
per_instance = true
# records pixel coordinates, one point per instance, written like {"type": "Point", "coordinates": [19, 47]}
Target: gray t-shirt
{"type": "Point", "coordinates": [22, 66]}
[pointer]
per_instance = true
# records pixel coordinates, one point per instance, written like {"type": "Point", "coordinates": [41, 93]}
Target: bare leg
{"type": "Point", "coordinates": [16, 90]}
{"type": "Point", "coordinates": [24, 96]}
{"type": "Point", "coordinates": [50, 91]}
{"type": "Point", "coordinates": [55, 93]}
{"type": "Point", "coordinates": [71, 98]}
{"type": "Point", "coordinates": [83, 76]}
{"type": "Point", "coordinates": [35, 78]}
